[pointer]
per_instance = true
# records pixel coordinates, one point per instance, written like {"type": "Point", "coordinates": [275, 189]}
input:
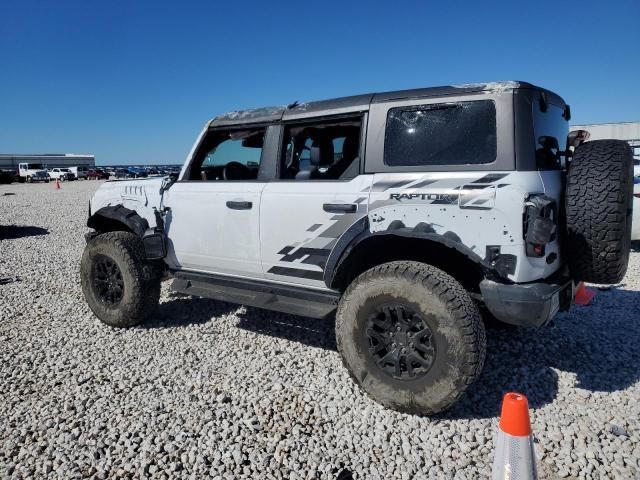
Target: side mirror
{"type": "Point", "coordinates": [168, 181]}
{"type": "Point", "coordinates": [576, 137]}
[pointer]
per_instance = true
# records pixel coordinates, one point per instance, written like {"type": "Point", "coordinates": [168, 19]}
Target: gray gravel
{"type": "Point", "coordinates": [208, 388]}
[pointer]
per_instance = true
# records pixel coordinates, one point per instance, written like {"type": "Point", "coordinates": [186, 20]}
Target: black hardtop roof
{"type": "Point", "coordinates": [360, 102]}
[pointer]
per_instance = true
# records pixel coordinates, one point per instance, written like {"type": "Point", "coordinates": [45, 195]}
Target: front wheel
{"type": "Point", "coordinates": [410, 336]}
{"type": "Point", "coordinates": [121, 287]}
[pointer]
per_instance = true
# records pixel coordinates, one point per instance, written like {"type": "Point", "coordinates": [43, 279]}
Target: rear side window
{"type": "Point", "coordinates": [461, 133]}
{"type": "Point", "coordinates": [550, 136]}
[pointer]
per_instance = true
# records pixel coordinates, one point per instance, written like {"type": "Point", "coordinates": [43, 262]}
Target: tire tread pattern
{"type": "Point", "coordinates": [598, 211]}
{"type": "Point", "coordinates": [462, 309]}
{"type": "Point", "coordinates": [145, 276]}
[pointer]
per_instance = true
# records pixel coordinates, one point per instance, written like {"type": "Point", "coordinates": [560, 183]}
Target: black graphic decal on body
{"type": "Point", "coordinates": [296, 272]}
{"type": "Point", "coordinates": [423, 183]}
{"type": "Point", "coordinates": [440, 198]}
{"type": "Point", "coordinates": [314, 256]}
{"type": "Point", "coordinates": [388, 184]}
{"type": "Point", "coordinates": [490, 178]}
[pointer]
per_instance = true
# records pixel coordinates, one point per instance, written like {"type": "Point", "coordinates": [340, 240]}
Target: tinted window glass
{"type": "Point", "coordinates": [550, 135]}
{"type": "Point", "coordinates": [327, 150]}
{"type": "Point", "coordinates": [233, 150]}
{"type": "Point", "coordinates": [444, 134]}
{"type": "Point", "coordinates": [233, 155]}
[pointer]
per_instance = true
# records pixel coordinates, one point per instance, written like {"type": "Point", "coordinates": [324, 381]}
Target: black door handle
{"type": "Point", "coordinates": [239, 205]}
{"type": "Point", "coordinates": [340, 207]}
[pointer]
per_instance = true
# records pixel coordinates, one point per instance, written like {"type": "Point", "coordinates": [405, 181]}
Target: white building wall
{"type": "Point", "coordinates": [10, 161]}
{"type": "Point", "coordinates": [629, 131]}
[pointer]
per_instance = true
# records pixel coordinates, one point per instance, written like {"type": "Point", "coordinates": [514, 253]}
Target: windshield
{"type": "Point", "coordinates": [65, 170]}
{"type": "Point", "coordinates": [35, 166]}
{"type": "Point", "coordinates": [550, 136]}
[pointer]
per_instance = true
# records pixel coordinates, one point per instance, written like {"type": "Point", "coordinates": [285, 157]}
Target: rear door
{"type": "Point", "coordinates": [213, 225]}
{"type": "Point", "coordinates": [318, 195]}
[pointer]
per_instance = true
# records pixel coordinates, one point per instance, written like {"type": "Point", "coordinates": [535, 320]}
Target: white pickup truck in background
{"type": "Point", "coordinates": [61, 174]}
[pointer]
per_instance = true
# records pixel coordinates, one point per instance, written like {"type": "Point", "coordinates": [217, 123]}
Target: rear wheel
{"type": "Point", "coordinates": [121, 287]}
{"type": "Point", "coordinates": [599, 211]}
{"type": "Point", "coordinates": [410, 336]}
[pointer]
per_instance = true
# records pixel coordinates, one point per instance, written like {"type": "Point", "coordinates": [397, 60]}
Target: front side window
{"type": "Point", "coordinates": [461, 133]}
{"type": "Point", "coordinates": [328, 150]}
{"type": "Point", "coordinates": [229, 155]}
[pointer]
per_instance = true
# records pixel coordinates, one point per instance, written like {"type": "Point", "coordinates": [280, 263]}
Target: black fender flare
{"type": "Point", "coordinates": [121, 214]}
{"type": "Point", "coordinates": [359, 232]}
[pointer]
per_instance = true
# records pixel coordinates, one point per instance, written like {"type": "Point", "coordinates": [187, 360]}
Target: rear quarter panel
{"type": "Point", "coordinates": [477, 209]}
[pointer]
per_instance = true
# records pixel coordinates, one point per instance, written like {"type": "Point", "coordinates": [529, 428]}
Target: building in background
{"type": "Point", "coordinates": [9, 161]}
{"type": "Point", "coordinates": [628, 131]}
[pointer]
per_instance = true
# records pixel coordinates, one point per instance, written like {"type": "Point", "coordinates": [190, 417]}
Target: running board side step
{"type": "Point", "coordinates": [255, 293]}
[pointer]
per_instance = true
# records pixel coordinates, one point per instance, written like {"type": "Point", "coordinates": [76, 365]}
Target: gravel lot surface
{"type": "Point", "coordinates": [211, 389]}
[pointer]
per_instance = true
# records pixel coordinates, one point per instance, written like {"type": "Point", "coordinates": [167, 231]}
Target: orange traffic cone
{"type": "Point", "coordinates": [57, 184]}
{"type": "Point", "coordinates": [583, 295]}
{"type": "Point", "coordinates": [514, 458]}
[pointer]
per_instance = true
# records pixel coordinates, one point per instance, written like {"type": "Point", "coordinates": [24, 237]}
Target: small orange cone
{"type": "Point", "coordinates": [57, 184]}
{"type": "Point", "coordinates": [583, 295]}
{"type": "Point", "coordinates": [514, 458]}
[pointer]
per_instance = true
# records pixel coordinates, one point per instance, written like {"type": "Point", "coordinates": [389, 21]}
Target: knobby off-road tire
{"type": "Point", "coordinates": [410, 298]}
{"type": "Point", "coordinates": [121, 287]}
{"type": "Point", "coordinates": [599, 211]}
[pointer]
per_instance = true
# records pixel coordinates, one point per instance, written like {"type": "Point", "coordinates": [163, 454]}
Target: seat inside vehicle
{"type": "Point", "coordinates": [322, 151]}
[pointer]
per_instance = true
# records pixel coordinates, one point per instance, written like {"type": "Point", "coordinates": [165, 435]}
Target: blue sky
{"type": "Point", "coordinates": [134, 81]}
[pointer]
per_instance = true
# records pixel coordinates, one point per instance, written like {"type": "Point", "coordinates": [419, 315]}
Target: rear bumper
{"type": "Point", "coordinates": [527, 304]}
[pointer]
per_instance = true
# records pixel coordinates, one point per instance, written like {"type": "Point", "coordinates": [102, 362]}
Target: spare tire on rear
{"type": "Point", "coordinates": [598, 211]}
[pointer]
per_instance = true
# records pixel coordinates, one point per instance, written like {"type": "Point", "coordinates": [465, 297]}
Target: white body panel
{"type": "Point", "coordinates": [480, 209]}
{"type": "Point", "coordinates": [297, 234]}
{"type": "Point", "coordinates": [287, 236]}
{"type": "Point", "coordinates": [206, 235]}
{"type": "Point", "coordinates": [139, 195]}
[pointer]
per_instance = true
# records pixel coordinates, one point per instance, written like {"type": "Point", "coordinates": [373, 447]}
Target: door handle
{"type": "Point", "coordinates": [340, 207]}
{"type": "Point", "coordinates": [239, 205]}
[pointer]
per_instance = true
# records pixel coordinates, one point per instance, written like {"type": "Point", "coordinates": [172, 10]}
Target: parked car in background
{"type": "Point", "coordinates": [97, 174]}
{"type": "Point", "coordinates": [136, 172]}
{"type": "Point", "coordinates": [8, 176]}
{"type": "Point", "coordinates": [121, 173]}
{"type": "Point", "coordinates": [32, 172]}
{"type": "Point", "coordinates": [61, 174]}
{"type": "Point", "coordinates": [79, 172]}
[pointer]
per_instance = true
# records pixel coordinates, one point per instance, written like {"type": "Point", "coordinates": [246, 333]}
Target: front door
{"type": "Point", "coordinates": [318, 196]}
{"type": "Point", "coordinates": [213, 225]}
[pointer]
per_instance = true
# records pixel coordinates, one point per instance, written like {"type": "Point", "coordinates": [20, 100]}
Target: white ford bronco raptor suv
{"type": "Point", "coordinates": [411, 214]}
